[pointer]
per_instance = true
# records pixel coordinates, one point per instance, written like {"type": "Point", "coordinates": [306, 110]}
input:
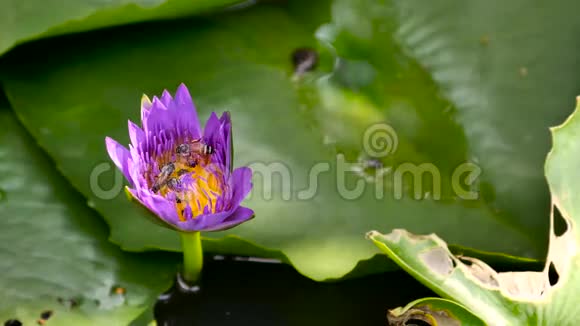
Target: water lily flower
{"type": "Point", "coordinates": [181, 174]}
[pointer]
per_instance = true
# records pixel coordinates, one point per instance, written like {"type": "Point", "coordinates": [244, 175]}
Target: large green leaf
{"type": "Point", "coordinates": [498, 88]}
{"type": "Point", "coordinates": [549, 297]}
{"type": "Point", "coordinates": [23, 20]}
{"type": "Point", "coordinates": [54, 253]}
{"type": "Point", "coordinates": [402, 62]}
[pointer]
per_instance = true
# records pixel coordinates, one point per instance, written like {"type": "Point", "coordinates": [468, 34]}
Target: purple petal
{"type": "Point", "coordinates": [160, 206]}
{"type": "Point", "coordinates": [214, 134]}
{"type": "Point", "coordinates": [241, 215]}
{"type": "Point", "coordinates": [226, 123]}
{"type": "Point", "coordinates": [187, 115]}
{"type": "Point", "coordinates": [225, 118]}
{"type": "Point", "coordinates": [205, 221]}
{"type": "Point", "coordinates": [137, 178]}
{"type": "Point", "coordinates": [136, 134]}
{"type": "Point", "coordinates": [241, 183]}
{"type": "Point", "coordinates": [120, 156]}
{"type": "Point", "coordinates": [212, 126]}
{"type": "Point", "coordinates": [159, 118]}
{"type": "Point", "coordinates": [166, 99]}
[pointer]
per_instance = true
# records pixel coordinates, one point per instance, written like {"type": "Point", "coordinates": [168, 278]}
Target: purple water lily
{"type": "Point", "coordinates": [180, 174]}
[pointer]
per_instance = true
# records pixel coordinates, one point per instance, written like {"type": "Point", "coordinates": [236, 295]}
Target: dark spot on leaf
{"type": "Point", "coordinates": [46, 314]}
{"type": "Point", "coordinates": [13, 322]}
{"type": "Point", "coordinates": [74, 303]}
{"type": "Point", "coordinates": [304, 59]}
{"type": "Point", "coordinates": [553, 274]}
{"type": "Point", "coordinates": [69, 303]}
{"type": "Point", "coordinates": [560, 224]}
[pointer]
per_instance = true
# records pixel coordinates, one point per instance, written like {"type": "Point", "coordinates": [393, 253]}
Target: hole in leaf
{"type": "Point", "coordinates": [13, 322]}
{"type": "Point", "coordinates": [438, 260]}
{"type": "Point", "coordinates": [417, 322]}
{"type": "Point", "coordinates": [560, 224]}
{"type": "Point", "coordinates": [553, 275]}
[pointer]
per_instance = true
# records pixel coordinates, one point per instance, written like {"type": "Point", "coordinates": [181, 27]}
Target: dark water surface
{"type": "Point", "coordinates": [236, 292]}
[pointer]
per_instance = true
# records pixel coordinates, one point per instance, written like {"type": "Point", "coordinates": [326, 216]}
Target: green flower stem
{"type": "Point", "coordinates": [192, 256]}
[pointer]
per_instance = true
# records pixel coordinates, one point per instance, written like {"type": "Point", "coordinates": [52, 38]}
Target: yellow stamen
{"type": "Point", "coordinates": [204, 192]}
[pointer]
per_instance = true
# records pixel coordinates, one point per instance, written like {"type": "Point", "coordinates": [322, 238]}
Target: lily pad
{"type": "Point", "coordinates": [54, 254]}
{"type": "Point", "coordinates": [25, 20]}
{"type": "Point", "coordinates": [547, 297]}
{"type": "Point", "coordinates": [286, 126]}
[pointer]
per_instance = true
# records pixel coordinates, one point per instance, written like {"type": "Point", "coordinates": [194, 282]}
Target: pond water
{"type": "Point", "coordinates": [238, 292]}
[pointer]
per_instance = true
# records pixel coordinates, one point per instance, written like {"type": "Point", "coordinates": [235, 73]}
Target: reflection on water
{"type": "Point", "coordinates": [236, 292]}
